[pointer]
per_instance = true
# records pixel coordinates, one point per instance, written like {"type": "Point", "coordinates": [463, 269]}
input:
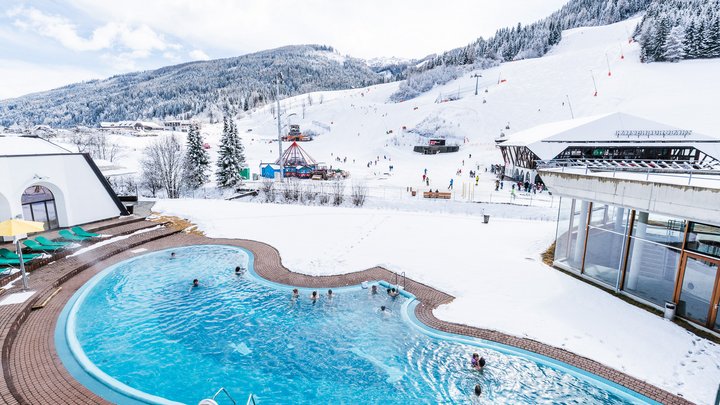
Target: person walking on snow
{"type": "Point", "coordinates": [450, 187]}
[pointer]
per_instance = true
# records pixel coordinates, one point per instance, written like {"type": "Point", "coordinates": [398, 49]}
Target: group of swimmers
{"type": "Point", "coordinates": [314, 296]}
{"type": "Point", "coordinates": [477, 363]}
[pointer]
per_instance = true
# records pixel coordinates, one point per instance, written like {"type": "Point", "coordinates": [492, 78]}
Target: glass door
{"type": "Point", "coordinates": [699, 292]}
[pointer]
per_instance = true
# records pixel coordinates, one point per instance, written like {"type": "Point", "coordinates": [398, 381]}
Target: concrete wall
{"type": "Point", "coordinates": [689, 202]}
{"type": "Point", "coordinates": [79, 196]}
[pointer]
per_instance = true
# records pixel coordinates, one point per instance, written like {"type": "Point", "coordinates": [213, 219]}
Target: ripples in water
{"type": "Point", "coordinates": [144, 325]}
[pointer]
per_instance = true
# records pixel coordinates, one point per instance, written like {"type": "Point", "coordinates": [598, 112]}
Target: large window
{"type": "Point", "coordinates": [570, 236]}
{"type": "Point", "coordinates": [38, 204]}
{"type": "Point", "coordinates": [698, 286]}
{"type": "Point", "coordinates": [606, 240]}
{"type": "Point", "coordinates": [654, 257]}
{"type": "Point", "coordinates": [704, 239]}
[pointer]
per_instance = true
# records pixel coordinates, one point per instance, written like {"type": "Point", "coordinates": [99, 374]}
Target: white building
{"type": "Point", "coordinates": [619, 137]}
{"type": "Point", "coordinates": [44, 182]}
{"type": "Point", "coordinates": [132, 126]}
{"type": "Point", "coordinates": [177, 125]}
{"type": "Point", "coordinates": [629, 220]}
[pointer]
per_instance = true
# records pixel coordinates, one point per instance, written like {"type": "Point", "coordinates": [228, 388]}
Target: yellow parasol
{"type": "Point", "coordinates": [14, 227]}
{"type": "Point", "coordinates": [17, 227]}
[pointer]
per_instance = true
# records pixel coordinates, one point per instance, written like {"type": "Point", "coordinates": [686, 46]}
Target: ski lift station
{"type": "Point", "coordinates": [639, 208]}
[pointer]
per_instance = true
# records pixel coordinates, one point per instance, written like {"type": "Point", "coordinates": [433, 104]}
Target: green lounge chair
{"type": "Point", "coordinates": [37, 247]}
{"type": "Point", "coordinates": [9, 262]}
{"type": "Point", "coordinates": [9, 254]}
{"type": "Point", "coordinates": [47, 242]}
{"type": "Point", "coordinates": [81, 232]}
{"type": "Point", "coordinates": [67, 235]}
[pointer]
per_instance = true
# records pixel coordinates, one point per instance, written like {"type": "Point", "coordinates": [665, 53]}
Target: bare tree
{"type": "Point", "coordinates": [80, 140]}
{"type": "Point", "coordinates": [96, 143]}
{"type": "Point", "coordinates": [359, 194]}
{"type": "Point", "coordinates": [163, 165]}
{"type": "Point", "coordinates": [268, 189]}
{"type": "Point", "coordinates": [309, 193]}
{"type": "Point", "coordinates": [338, 192]}
{"type": "Point", "coordinates": [150, 176]}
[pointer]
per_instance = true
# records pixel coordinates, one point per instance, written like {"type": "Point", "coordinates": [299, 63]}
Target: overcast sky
{"type": "Point", "coordinates": [48, 43]}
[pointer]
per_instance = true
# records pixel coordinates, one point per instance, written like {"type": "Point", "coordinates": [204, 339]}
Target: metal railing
{"type": "Point", "coordinates": [397, 276]}
{"type": "Point", "coordinates": [251, 400]}
{"type": "Point", "coordinates": [683, 170]}
{"type": "Point", "coordinates": [222, 389]}
{"type": "Point", "coordinates": [633, 165]}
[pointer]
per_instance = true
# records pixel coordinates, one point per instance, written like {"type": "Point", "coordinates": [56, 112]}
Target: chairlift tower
{"type": "Point", "coordinates": [277, 99]}
{"type": "Point", "coordinates": [477, 77]}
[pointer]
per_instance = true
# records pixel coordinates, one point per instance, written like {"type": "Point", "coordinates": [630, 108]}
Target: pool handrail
{"type": "Point", "coordinates": [222, 389]}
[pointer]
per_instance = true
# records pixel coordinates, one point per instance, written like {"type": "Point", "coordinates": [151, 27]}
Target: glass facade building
{"type": "Point", "coordinates": [648, 256]}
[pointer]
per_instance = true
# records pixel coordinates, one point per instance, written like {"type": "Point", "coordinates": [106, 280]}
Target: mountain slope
{"type": "Point", "coordinates": [187, 90]}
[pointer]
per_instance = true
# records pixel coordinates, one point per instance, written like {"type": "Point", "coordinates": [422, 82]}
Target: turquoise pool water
{"type": "Point", "coordinates": [144, 328]}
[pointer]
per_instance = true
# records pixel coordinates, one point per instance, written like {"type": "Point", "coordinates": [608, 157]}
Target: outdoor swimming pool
{"type": "Point", "coordinates": [143, 327]}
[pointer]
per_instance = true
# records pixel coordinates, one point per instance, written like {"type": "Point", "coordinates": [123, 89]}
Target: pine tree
{"type": "Point", "coordinates": [228, 166]}
{"type": "Point", "coordinates": [674, 48]}
{"type": "Point", "coordinates": [197, 160]}
{"type": "Point", "coordinates": [691, 41]}
{"type": "Point", "coordinates": [712, 46]}
{"type": "Point", "coordinates": [239, 148]}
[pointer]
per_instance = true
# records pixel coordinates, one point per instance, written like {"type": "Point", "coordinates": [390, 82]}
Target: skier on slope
{"type": "Point", "coordinates": [450, 187]}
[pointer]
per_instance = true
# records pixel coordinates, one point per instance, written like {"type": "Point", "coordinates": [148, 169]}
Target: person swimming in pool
{"type": "Point", "coordinates": [295, 294]}
{"type": "Point", "coordinates": [314, 297]}
{"type": "Point", "coordinates": [373, 290]}
{"type": "Point", "coordinates": [477, 362]}
{"type": "Point", "coordinates": [195, 283]}
{"type": "Point", "coordinates": [239, 270]}
{"type": "Point", "coordinates": [172, 255]}
{"type": "Point", "coordinates": [385, 311]}
{"type": "Point", "coordinates": [393, 293]}
{"type": "Point", "coordinates": [330, 294]}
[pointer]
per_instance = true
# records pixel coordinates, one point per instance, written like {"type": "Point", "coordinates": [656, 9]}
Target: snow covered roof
{"type": "Point", "coordinates": [25, 145]}
{"type": "Point", "coordinates": [615, 129]}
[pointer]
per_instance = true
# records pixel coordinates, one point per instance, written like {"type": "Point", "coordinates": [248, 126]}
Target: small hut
{"type": "Point", "coordinates": [268, 170]}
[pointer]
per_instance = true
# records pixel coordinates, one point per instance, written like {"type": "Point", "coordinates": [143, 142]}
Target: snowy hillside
{"type": "Point", "coordinates": [198, 89]}
{"type": "Point", "coordinates": [355, 123]}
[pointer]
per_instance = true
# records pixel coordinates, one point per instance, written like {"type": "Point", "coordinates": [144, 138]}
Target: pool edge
{"type": "Point", "coordinates": [412, 317]}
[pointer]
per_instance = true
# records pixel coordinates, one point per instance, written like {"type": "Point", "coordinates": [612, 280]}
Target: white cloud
{"type": "Point", "coordinates": [139, 40]}
{"type": "Point", "coordinates": [371, 28]}
{"type": "Point", "coordinates": [198, 54]}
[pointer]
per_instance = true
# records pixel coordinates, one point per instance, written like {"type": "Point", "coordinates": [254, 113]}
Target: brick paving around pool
{"type": "Point", "coordinates": [33, 373]}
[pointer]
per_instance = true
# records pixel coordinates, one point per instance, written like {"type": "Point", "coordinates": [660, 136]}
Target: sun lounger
{"type": "Point", "coordinates": [81, 232]}
{"type": "Point", "coordinates": [37, 247]}
{"type": "Point", "coordinates": [11, 262]}
{"type": "Point", "coordinates": [9, 254]}
{"type": "Point", "coordinates": [66, 234]}
{"type": "Point", "coordinates": [47, 242]}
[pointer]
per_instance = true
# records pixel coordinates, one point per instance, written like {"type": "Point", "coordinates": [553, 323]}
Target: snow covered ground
{"type": "Point", "coordinates": [493, 270]}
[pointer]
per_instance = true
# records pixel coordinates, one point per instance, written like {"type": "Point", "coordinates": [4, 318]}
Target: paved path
{"type": "Point", "coordinates": [33, 373]}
